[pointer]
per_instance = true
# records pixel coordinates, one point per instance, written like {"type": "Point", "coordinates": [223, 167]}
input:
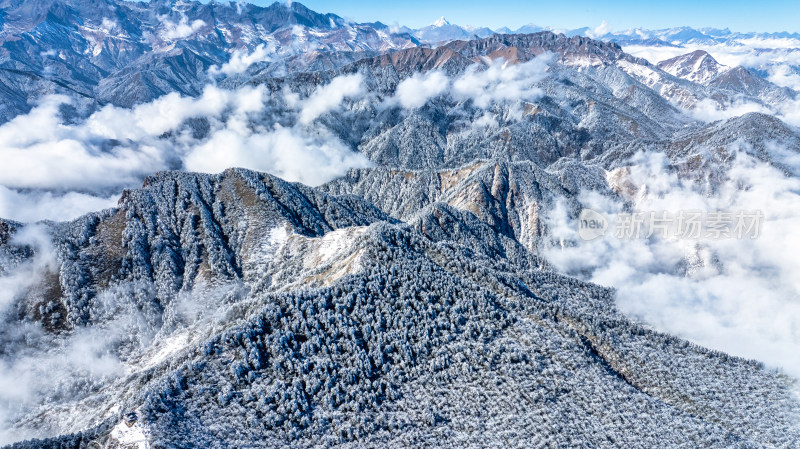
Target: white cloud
{"type": "Point", "coordinates": [108, 25]}
{"type": "Point", "coordinates": [751, 53]}
{"type": "Point", "coordinates": [497, 82]}
{"type": "Point", "coordinates": [181, 30]}
{"type": "Point", "coordinates": [330, 96]}
{"type": "Point", "coordinates": [74, 166]}
{"type": "Point", "coordinates": [709, 110]}
{"type": "Point", "coordinates": [738, 296]}
{"type": "Point", "coordinates": [27, 380]}
{"type": "Point", "coordinates": [777, 57]}
{"type": "Point", "coordinates": [48, 369]}
{"type": "Point", "coordinates": [241, 59]}
{"type": "Point", "coordinates": [782, 75]}
{"type": "Point", "coordinates": [487, 120]}
{"type": "Point", "coordinates": [601, 30]}
{"type": "Point", "coordinates": [415, 91]}
{"type": "Point", "coordinates": [19, 279]}
{"type": "Point", "coordinates": [60, 169]}
{"type": "Point", "coordinates": [30, 206]}
{"type": "Point", "coordinates": [39, 151]}
{"type": "Point", "coordinates": [501, 81]}
{"type": "Point", "coordinates": [168, 112]}
{"type": "Point", "coordinates": [289, 153]}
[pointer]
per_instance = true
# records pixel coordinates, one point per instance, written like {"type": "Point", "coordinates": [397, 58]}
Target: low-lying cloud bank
{"type": "Point", "coordinates": [31, 206]}
{"type": "Point", "coordinates": [777, 58]}
{"type": "Point", "coordinates": [55, 168]}
{"type": "Point", "coordinates": [709, 110]}
{"type": "Point", "coordinates": [738, 296]}
{"type": "Point", "coordinates": [58, 168]}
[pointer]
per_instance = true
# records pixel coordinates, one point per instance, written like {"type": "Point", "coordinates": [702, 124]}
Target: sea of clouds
{"type": "Point", "coordinates": [741, 296]}
{"type": "Point", "coordinates": [779, 58]}
{"type": "Point", "coordinates": [57, 169]}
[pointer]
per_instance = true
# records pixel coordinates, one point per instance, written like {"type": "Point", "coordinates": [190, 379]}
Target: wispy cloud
{"type": "Point", "coordinates": [709, 110]}
{"type": "Point", "coordinates": [498, 82]}
{"type": "Point", "coordinates": [330, 96]}
{"type": "Point", "coordinates": [502, 81]}
{"type": "Point", "coordinates": [181, 30]}
{"type": "Point", "coordinates": [600, 30]}
{"type": "Point", "coordinates": [415, 91]}
{"type": "Point", "coordinates": [48, 369]}
{"type": "Point", "coordinates": [738, 296]}
{"type": "Point", "coordinates": [241, 59]}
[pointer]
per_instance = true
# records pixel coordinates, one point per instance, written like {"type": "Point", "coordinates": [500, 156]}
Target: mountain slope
{"type": "Point", "coordinates": [698, 67]}
{"type": "Point", "coordinates": [413, 303]}
{"type": "Point", "coordinates": [408, 348]}
{"type": "Point", "coordinates": [125, 53]}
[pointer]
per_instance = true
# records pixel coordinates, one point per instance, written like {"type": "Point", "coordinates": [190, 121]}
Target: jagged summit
{"type": "Point", "coordinates": [697, 66]}
{"type": "Point", "coordinates": [440, 22]}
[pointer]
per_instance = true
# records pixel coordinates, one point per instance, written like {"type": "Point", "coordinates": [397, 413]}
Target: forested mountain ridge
{"type": "Point", "coordinates": [415, 292]}
{"type": "Point", "coordinates": [423, 330]}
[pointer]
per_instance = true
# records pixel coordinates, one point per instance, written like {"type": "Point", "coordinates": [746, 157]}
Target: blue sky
{"type": "Point", "coordinates": [738, 15]}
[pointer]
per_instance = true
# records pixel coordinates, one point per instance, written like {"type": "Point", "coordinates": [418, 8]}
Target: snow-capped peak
{"type": "Point", "coordinates": [698, 66]}
{"type": "Point", "coordinates": [441, 22]}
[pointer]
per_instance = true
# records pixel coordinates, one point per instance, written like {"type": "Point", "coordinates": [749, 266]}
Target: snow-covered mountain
{"type": "Point", "coordinates": [773, 56]}
{"type": "Point", "coordinates": [429, 290]}
{"type": "Point", "coordinates": [124, 53]}
{"type": "Point", "coordinates": [698, 66]}
{"type": "Point", "coordinates": [682, 36]}
{"type": "Point", "coordinates": [443, 31]}
{"type": "Point", "coordinates": [295, 317]}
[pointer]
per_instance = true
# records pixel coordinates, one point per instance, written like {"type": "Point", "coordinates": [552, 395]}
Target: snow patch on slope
{"type": "Point", "coordinates": [130, 437]}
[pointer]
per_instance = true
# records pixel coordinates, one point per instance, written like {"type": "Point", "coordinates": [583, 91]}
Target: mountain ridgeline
{"type": "Point", "coordinates": [408, 303]}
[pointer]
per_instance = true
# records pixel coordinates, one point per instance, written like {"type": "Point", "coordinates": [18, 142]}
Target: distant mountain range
{"type": "Point", "coordinates": [407, 300]}
{"type": "Point", "coordinates": [126, 53]}
{"type": "Point", "coordinates": [129, 52]}
{"type": "Point", "coordinates": [443, 30]}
